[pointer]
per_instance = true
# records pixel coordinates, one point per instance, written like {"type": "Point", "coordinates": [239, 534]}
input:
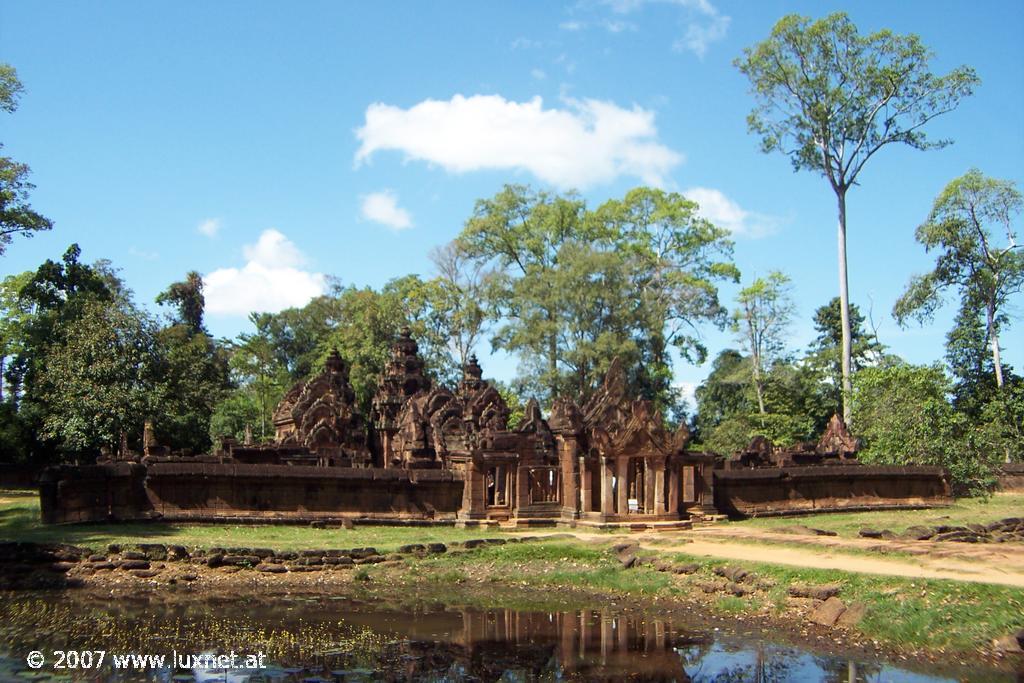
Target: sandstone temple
{"type": "Point", "coordinates": [434, 454]}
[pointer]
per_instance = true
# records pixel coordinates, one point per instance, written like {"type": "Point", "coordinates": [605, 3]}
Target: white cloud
{"type": "Point", "coordinates": [567, 64]}
{"type": "Point", "coordinates": [618, 26]}
{"type": "Point", "coordinates": [209, 227]}
{"type": "Point", "coordinates": [270, 280]}
{"type": "Point", "coordinates": [382, 207]}
{"type": "Point", "coordinates": [688, 392]}
{"type": "Point", "coordinates": [703, 23]}
{"type": "Point", "coordinates": [538, 74]}
{"type": "Point", "coordinates": [699, 35]}
{"type": "Point", "coordinates": [144, 254]}
{"type": "Point", "coordinates": [725, 213]}
{"type": "Point", "coordinates": [589, 142]}
{"type": "Point", "coordinates": [523, 43]}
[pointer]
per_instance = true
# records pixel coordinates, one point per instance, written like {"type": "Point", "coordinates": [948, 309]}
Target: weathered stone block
{"type": "Point", "coordinates": [822, 592]}
{"type": "Point", "coordinates": [153, 551]}
{"type": "Point", "coordinates": [412, 548]}
{"type": "Point", "coordinates": [177, 553]}
{"type": "Point", "coordinates": [134, 564]}
{"type": "Point", "coordinates": [853, 615]}
{"type": "Point", "coordinates": [828, 612]}
{"type": "Point", "coordinates": [732, 573]}
{"type": "Point", "coordinates": [145, 573]}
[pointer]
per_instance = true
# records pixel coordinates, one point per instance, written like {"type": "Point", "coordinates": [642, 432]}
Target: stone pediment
{"type": "Point", "coordinates": [837, 439]}
{"type": "Point", "coordinates": [642, 434]}
{"type": "Point", "coordinates": [606, 408]}
{"type": "Point", "coordinates": [321, 415]}
{"type": "Point", "coordinates": [283, 411]}
{"type": "Point", "coordinates": [566, 417]}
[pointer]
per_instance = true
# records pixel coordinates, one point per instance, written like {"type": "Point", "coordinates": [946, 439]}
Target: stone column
{"type": "Point", "coordinates": [586, 486]}
{"type": "Point", "coordinates": [570, 491]}
{"type": "Point", "coordinates": [474, 504]}
{"type": "Point", "coordinates": [650, 475]}
{"type": "Point", "coordinates": [660, 472]}
{"type": "Point", "coordinates": [607, 502]}
{"type": "Point", "coordinates": [623, 481]}
{"type": "Point", "coordinates": [522, 486]}
{"type": "Point", "coordinates": [673, 488]}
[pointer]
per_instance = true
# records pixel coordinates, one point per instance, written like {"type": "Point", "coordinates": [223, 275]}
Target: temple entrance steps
{"type": "Point", "coordinates": [699, 518]}
{"type": "Point", "coordinates": [634, 525]}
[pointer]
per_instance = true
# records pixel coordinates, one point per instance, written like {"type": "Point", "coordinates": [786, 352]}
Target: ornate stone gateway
{"type": "Point", "coordinates": [629, 468]}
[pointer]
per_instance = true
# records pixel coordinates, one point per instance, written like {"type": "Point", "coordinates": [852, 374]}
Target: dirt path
{"type": "Point", "coordinates": [976, 563]}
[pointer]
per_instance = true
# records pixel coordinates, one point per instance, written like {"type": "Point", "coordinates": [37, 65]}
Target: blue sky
{"type": "Point", "coordinates": [267, 145]}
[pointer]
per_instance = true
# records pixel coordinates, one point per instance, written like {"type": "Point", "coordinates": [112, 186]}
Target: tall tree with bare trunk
{"type": "Point", "coordinates": [830, 98]}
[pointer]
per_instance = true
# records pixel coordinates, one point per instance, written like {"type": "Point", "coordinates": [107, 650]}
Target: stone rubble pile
{"type": "Point", "coordinates": [32, 565]}
{"type": "Point", "coordinates": [1009, 530]}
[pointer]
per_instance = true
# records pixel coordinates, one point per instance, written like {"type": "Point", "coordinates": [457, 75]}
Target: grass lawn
{"type": "Point", "coordinates": [19, 521]}
{"type": "Point", "coordinates": [963, 511]}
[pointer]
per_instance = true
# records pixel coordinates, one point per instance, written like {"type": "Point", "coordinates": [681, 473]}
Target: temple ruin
{"type": "Point", "coordinates": [434, 454]}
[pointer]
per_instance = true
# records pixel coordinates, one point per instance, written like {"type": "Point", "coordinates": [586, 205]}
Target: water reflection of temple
{"type": "Point", "coordinates": [503, 644]}
{"type": "Point", "coordinates": [589, 645]}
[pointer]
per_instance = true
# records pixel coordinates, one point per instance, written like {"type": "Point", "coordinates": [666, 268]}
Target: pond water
{"type": "Point", "coordinates": [317, 638]}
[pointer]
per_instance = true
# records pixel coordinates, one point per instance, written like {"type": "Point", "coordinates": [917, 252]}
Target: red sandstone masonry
{"type": "Point", "coordinates": [789, 490]}
{"type": "Point", "coordinates": [187, 491]}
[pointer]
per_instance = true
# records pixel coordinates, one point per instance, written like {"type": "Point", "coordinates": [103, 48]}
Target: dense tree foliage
{"type": "Point", "coordinates": [458, 296]}
{"type": "Point", "coordinates": [905, 418]}
{"type": "Point", "coordinates": [831, 98]}
{"type": "Point", "coordinates": [99, 384]}
{"type": "Point", "coordinates": [573, 288]}
{"type": "Point", "coordinates": [84, 367]}
{"type": "Point", "coordinates": [825, 354]}
{"type": "Point", "coordinates": [188, 301]}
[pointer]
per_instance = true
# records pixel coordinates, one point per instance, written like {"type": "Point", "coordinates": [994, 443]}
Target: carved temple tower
{"type": "Point", "coordinates": [403, 378]}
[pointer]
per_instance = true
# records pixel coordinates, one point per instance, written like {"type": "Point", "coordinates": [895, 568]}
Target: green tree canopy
{"type": "Point", "coordinates": [188, 300]}
{"type": "Point", "coordinates": [971, 228]}
{"type": "Point", "coordinates": [574, 288]}
{"type": "Point", "coordinates": [761, 323]}
{"type": "Point", "coordinates": [903, 414]}
{"type": "Point", "coordinates": [99, 383]}
{"type": "Point", "coordinates": [825, 353]}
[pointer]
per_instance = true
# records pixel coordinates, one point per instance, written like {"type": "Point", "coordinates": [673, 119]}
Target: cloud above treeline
{"type": "Point", "coordinates": [382, 207]}
{"type": "Point", "coordinates": [271, 280]}
{"type": "Point", "coordinates": [585, 143]}
{"type": "Point", "coordinates": [209, 227]}
{"type": "Point", "coordinates": [726, 213]}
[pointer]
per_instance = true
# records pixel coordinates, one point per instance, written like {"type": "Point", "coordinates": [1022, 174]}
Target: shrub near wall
{"type": "Point", "coordinates": [904, 415]}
